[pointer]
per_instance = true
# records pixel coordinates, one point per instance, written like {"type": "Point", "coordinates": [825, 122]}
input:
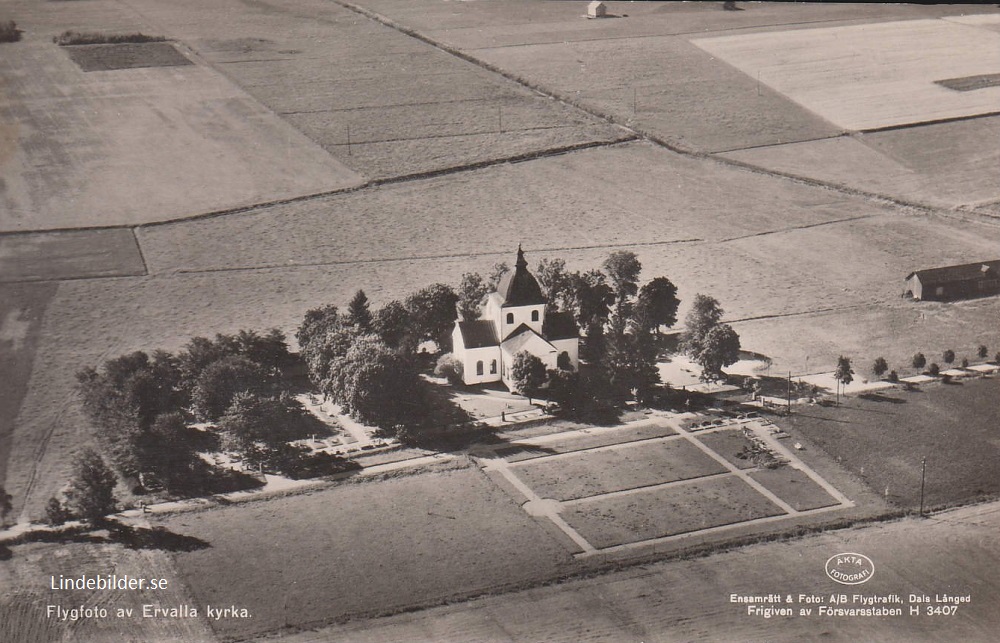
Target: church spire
{"type": "Point", "coordinates": [521, 263]}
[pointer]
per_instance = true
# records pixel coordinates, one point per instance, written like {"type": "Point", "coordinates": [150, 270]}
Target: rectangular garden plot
{"type": "Point", "coordinates": [579, 442]}
{"type": "Point", "coordinates": [126, 56]}
{"type": "Point", "coordinates": [589, 473]}
{"type": "Point", "coordinates": [727, 443]}
{"type": "Point", "coordinates": [668, 511]}
{"type": "Point", "coordinates": [794, 487]}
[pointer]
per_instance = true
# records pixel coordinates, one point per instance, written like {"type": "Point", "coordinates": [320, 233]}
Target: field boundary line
{"type": "Point", "coordinates": [617, 446]}
{"type": "Point", "coordinates": [649, 487]}
{"type": "Point", "coordinates": [935, 121]}
{"type": "Point", "coordinates": [711, 530]}
{"type": "Point", "coordinates": [799, 227]}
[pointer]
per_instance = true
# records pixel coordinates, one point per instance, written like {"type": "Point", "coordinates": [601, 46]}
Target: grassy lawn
{"type": "Point", "coordinates": [363, 549]}
{"type": "Point", "coordinates": [883, 442]}
{"type": "Point", "coordinates": [590, 473]}
{"type": "Point", "coordinates": [74, 254]}
{"type": "Point", "coordinates": [794, 487]}
{"type": "Point", "coordinates": [668, 511]}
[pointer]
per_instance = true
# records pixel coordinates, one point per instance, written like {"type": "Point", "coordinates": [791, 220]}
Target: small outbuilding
{"type": "Point", "coordinates": [597, 9]}
{"type": "Point", "coordinates": [967, 281]}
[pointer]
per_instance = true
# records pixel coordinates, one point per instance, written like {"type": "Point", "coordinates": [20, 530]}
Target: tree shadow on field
{"type": "Point", "coordinates": [158, 537]}
{"type": "Point", "coordinates": [876, 397]}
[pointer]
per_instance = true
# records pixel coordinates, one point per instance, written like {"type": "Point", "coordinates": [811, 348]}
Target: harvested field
{"type": "Point", "coordinates": [31, 567]}
{"type": "Point", "coordinates": [390, 104]}
{"type": "Point", "coordinates": [506, 24]}
{"type": "Point", "coordinates": [944, 164]}
{"type": "Point", "coordinates": [187, 140]}
{"type": "Point", "coordinates": [377, 547]}
{"type": "Point", "coordinates": [126, 56]}
{"type": "Point", "coordinates": [675, 198]}
{"type": "Point", "coordinates": [644, 515]}
{"type": "Point", "coordinates": [728, 443]}
{"type": "Point", "coordinates": [794, 487]}
{"type": "Point", "coordinates": [689, 600]}
{"type": "Point", "coordinates": [666, 87]}
{"type": "Point", "coordinates": [883, 441]}
{"type": "Point", "coordinates": [870, 76]}
{"type": "Point", "coordinates": [583, 474]}
{"type": "Point", "coordinates": [50, 256]}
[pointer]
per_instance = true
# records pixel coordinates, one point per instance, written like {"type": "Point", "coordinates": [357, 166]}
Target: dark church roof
{"type": "Point", "coordinates": [965, 272]}
{"type": "Point", "coordinates": [478, 333]}
{"type": "Point", "coordinates": [520, 288]}
{"type": "Point", "coordinates": [560, 326]}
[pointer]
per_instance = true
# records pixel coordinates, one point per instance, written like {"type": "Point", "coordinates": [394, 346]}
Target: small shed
{"type": "Point", "coordinates": [949, 283]}
{"type": "Point", "coordinates": [597, 9]}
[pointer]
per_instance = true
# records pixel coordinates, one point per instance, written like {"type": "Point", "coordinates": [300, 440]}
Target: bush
{"type": "Point", "coordinates": [450, 368]}
{"type": "Point", "coordinates": [919, 361]}
{"type": "Point", "coordinates": [933, 369]}
{"type": "Point", "coordinates": [56, 513]}
{"type": "Point", "coordinates": [965, 362]}
{"type": "Point", "coordinates": [76, 38]}
{"type": "Point", "coordinates": [9, 31]}
{"type": "Point", "coordinates": [996, 358]}
{"type": "Point", "coordinates": [983, 351]}
{"type": "Point", "coordinates": [949, 356]}
{"type": "Point", "coordinates": [893, 376]}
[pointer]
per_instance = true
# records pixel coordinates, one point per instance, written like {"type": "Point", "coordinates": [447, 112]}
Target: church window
{"type": "Point", "coordinates": [479, 367]}
{"type": "Point", "coordinates": [534, 315]}
{"type": "Point", "coordinates": [493, 367]}
{"type": "Point", "coordinates": [510, 318]}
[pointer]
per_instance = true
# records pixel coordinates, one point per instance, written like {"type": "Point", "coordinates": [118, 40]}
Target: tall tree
{"type": "Point", "coordinates": [555, 283]}
{"type": "Point", "coordinates": [471, 292]}
{"type": "Point", "coordinates": [720, 347]}
{"type": "Point", "coordinates": [629, 361]}
{"type": "Point", "coordinates": [223, 379]}
{"type": "Point", "coordinates": [704, 315]}
{"type": "Point", "coordinates": [6, 504]}
{"type": "Point", "coordinates": [433, 312]}
{"type": "Point", "coordinates": [315, 324]}
{"type": "Point", "coordinates": [358, 313]}
{"type": "Point", "coordinates": [658, 303]}
{"type": "Point", "coordinates": [844, 374]}
{"type": "Point", "coordinates": [879, 367]}
{"type": "Point", "coordinates": [590, 300]}
{"type": "Point", "coordinates": [392, 324]}
{"type": "Point", "coordinates": [527, 373]}
{"type": "Point", "coordinates": [252, 421]}
{"type": "Point", "coordinates": [91, 490]}
{"type": "Point", "coordinates": [623, 268]}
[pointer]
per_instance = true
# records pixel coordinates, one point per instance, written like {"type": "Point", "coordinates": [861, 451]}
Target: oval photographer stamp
{"type": "Point", "coordinates": [850, 568]}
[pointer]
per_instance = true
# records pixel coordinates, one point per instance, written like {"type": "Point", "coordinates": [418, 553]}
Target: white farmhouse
{"type": "Point", "coordinates": [512, 320]}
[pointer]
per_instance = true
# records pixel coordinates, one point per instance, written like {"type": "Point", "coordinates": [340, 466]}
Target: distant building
{"type": "Point", "coordinates": [955, 282]}
{"type": "Point", "coordinates": [514, 320]}
{"type": "Point", "coordinates": [596, 10]}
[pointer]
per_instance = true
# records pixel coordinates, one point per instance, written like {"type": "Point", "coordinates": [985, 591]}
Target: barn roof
{"type": "Point", "coordinates": [478, 334]}
{"type": "Point", "coordinates": [520, 288]}
{"type": "Point", "coordinates": [951, 274]}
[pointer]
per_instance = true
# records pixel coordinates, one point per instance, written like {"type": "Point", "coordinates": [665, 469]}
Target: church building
{"type": "Point", "coordinates": [512, 320]}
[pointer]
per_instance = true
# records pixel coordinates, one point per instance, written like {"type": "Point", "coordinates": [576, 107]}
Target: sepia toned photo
{"type": "Point", "coordinates": [499, 321]}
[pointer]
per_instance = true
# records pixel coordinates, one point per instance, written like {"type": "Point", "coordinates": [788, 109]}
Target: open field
{"type": "Point", "coordinates": [884, 75]}
{"type": "Point", "coordinates": [668, 511]}
{"type": "Point", "coordinates": [944, 164]}
{"type": "Point", "coordinates": [69, 255]}
{"type": "Point", "coordinates": [378, 100]}
{"type": "Point", "coordinates": [794, 487]}
{"type": "Point", "coordinates": [884, 440]}
{"type": "Point", "coordinates": [363, 548]}
{"type": "Point", "coordinates": [187, 139]}
{"type": "Point", "coordinates": [689, 600]}
{"type": "Point", "coordinates": [587, 473]}
{"type": "Point", "coordinates": [32, 565]}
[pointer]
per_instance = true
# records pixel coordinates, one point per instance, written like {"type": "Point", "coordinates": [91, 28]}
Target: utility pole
{"type": "Point", "coordinates": [634, 92]}
{"type": "Point", "coordinates": [348, 140]}
{"type": "Point", "coordinates": [500, 118]}
{"type": "Point", "coordinates": [789, 392]}
{"type": "Point", "coordinates": [923, 477]}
